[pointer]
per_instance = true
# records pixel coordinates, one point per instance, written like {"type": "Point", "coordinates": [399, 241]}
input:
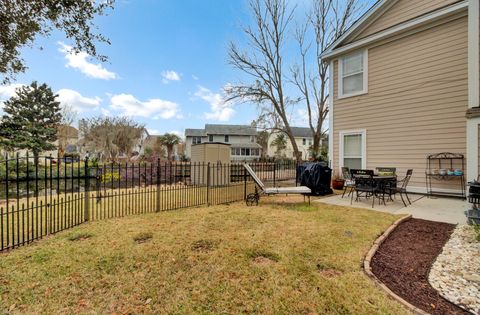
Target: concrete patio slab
{"type": "Point", "coordinates": [440, 209]}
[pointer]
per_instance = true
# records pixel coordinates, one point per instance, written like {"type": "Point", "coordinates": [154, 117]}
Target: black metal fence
{"type": "Point", "coordinates": [42, 197]}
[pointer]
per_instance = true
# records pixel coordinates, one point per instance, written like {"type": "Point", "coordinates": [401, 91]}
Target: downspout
{"type": "Point", "coordinates": [473, 111]}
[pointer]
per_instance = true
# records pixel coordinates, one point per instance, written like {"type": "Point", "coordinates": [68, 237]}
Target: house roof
{"type": "Point", "coordinates": [342, 46]}
{"type": "Point", "coordinates": [194, 132]}
{"type": "Point", "coordinates": [239, 130]}
{"type": "Point", "coordinates": [253, 145]}
{"type": "Point", "coordinates": [301, 132]}
{"type": "Point", "coordinates": [370, 15]}
{"type": "Point", "coordinates": [213, 129]}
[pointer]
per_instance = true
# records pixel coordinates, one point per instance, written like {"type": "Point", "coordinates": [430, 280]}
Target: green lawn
{"type": "Point", "coordinates": [282, 257]}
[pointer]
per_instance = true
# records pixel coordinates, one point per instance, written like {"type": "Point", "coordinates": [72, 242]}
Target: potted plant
{"type": "Point", "coordinates": [337, 181]}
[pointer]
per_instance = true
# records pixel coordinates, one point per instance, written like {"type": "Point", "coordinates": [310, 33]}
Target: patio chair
{"type": "Point", "coordinates": [402, 190]}
{"type": "Point", "coordinates": [364, 184]}
{"type": "Point", "coordinates": [255, 197]}
{"type": "Point", "coordinates": [349, 182]}
{"type": "Point", "coordinates": [386, 171]}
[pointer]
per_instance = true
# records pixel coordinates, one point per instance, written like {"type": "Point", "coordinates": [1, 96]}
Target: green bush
{"type": "Point", "coordinates": [476, 229]}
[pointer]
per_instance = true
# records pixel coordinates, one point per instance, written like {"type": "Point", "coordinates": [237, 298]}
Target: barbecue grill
{"type": "Point", "coordinates": [473, 215]}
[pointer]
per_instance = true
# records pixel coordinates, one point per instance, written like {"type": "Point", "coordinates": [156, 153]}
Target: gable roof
{"type": "Point", "coordinates": [216, 129]}
{"type": "Point", "coordinates": [239, 130]}
{"type": "Point", "coordinates": [301, 132]}
{"type": "Point", "coordinates": [368, 17]}
{"type": "Point", "coordinates": [342, 46]}
{"type": "Point", "coordinates": [194, 132]}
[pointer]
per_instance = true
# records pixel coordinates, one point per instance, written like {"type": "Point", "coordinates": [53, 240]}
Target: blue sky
{"type": "Point", "coordinates": [167, 65]}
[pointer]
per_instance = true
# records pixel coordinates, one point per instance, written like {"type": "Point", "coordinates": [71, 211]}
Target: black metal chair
{"type": "Point", "coordinates": [364, 184]}
{"type": "Point", "coordinates": [402, 190]}
{"type": "Point", "coordinates": [349, 183]}
{"type": "Point", "coordinates": [386, 171]}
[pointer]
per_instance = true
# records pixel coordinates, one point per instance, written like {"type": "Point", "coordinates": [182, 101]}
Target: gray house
{"type": "Point", "coordinates": [242, 139]}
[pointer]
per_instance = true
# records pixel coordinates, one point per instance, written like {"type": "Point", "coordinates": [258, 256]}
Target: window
{"type": "Point", "coordinates": [243, 151]}
{"type": "Point", "coordinates": [247, 152]}
{"type": "Point", "coordinates": [353, 74]}
{"type": "Point", "coordinates": [310, 142]}
{"type": "Point", "coordinates": [232, 151]}
{"type": "Point", "coordinates": [210, 138]}
{"type": "Point", "coordinates": [352, 149]}
{"type": "Point", "coordinates": [197, 140]}
{"type": "Point", "coordinates": [304, 141]}
{"type": "Point", "coordinates": [227, 138]}
{"type": "Point", "coordinates": [252, 138]}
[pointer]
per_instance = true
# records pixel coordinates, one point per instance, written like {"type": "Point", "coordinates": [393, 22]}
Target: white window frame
{"type": "Point", "coordinates": [341, 138]}
{"type": "Point", "coordinates": [365, 76]}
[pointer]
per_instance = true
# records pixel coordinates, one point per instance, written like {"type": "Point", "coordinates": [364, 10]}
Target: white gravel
{"type": "Point", "coordinates": [456, 272]}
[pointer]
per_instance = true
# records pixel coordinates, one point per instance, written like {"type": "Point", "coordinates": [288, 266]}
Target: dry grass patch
{"type": "Point", "coordinates": [79, 236]}
{"type": "Point", "coordinates": [277, 258]}
{"type": "Point", "coordinates": [142, 237]}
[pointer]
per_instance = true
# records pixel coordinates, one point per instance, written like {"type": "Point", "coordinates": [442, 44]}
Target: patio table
{"type": "Point", "coordinates": [380, 185]}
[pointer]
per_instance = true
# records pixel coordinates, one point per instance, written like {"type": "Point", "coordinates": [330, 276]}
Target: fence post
{"type": "Point", "coordinates": [274, 173]}
{"type": "Point", "coordinates": [208, 183]}
{"type": "Point", "coordinates": [158, 185]}
{"type": "Point", "coordinates": [86, 210]}
{"type": "Point", "coordinates": [244, 183]}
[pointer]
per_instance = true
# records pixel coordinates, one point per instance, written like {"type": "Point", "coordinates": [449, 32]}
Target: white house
{"type": "Point", "coordinates": [242, 139]}
{"type": "Point", "coordinates": [303, 138]}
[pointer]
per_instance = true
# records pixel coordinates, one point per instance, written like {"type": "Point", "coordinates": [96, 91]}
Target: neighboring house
{"type": "Point", "coordinates": [405, 85]}
{"type": "Point", "coordinates": [242, 139]}
{"type": "Point", "coordinates": [303, 138]}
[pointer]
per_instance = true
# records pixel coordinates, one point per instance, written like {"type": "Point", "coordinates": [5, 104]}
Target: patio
{"type": "Point", "coordinates": [440, 209]}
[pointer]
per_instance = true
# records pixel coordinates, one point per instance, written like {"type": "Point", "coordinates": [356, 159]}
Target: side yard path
{"type": "Point", "coordinates": [282, 257]}
{"type": "Point", "coordinates": [404, 259]}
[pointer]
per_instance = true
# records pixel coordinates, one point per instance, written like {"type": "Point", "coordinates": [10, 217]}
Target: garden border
{"type": "Point", "coordinates": [368, 270]}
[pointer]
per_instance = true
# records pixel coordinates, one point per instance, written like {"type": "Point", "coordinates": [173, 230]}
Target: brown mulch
{"type": "Point", "coordinates": [404, 259]}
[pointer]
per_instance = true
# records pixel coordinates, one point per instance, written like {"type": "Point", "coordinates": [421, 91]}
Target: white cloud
{"type": "Point", "coordinates": [7, 91]}
{"type": "Point", "coordinates": [80, 61]}
{"type": "Point", "coordinates": [195, 77]}
{"type": "Point", "coordinates": [153, 131]}
{"type": "Point", "coordinates": [220, 110]}
{"type": "Point", "coordinates": [170, 75]}
{"type": "Point", "coordinates": [105, 112]}
{"type": "Point", "coordinates": [79, 102]}
{"type": "Point", "coordinates": [178, 133]}
{"type": "Point", "coordinates": [154, 108]}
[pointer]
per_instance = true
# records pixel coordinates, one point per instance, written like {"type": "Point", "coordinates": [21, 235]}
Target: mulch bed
{"type": "Point", "coordinates": [404, 259]}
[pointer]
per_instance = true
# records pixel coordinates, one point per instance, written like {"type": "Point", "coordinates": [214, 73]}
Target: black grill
{"type": "Point", "coordinates": [474, 192]}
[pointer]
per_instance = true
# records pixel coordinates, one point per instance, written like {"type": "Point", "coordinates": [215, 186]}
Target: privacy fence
{"type": "Point", "coordinates": [42, 197]}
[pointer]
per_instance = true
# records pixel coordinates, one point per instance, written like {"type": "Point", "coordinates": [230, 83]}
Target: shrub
{"type": "Point", "coordinates": [476, 229]}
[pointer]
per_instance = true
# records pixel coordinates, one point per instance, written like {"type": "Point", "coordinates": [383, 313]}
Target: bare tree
{"type": "Point", "coordinates": [110, 136]}
{"type": "Point", "coordinates": [263, 62]}
{"type": "Point", "coordinates": [65, 131]}
{"type": "Point", "coordinates": [327, 21]}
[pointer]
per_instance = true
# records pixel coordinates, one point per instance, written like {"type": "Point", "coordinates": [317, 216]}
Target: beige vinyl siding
{"type": "Point", "coordinates": [416, 101]}
{"type": "Point", "coordinates": [402, 11]}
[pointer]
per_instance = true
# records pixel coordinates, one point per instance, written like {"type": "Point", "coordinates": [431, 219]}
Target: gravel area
{"type": "Point", "coordinates": [456, 272]}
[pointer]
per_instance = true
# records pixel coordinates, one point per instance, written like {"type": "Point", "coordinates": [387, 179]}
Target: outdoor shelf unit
{"type": "Point", "coordinates": [445, 160]}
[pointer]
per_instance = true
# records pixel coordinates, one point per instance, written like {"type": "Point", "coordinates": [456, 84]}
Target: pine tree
{"type": "Point", "coordinates": [31, 119]}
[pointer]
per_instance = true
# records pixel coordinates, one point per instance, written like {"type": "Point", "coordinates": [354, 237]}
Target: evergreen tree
{"type": "Point", "coordinates": [31, 119]}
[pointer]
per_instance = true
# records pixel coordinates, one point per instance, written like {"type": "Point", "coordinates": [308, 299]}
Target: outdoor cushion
{"type": "Point", "coordinates": [287, 190]}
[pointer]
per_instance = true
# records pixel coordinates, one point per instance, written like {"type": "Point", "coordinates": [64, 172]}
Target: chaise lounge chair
{"type": "Point", "coordinates": [253, 198]}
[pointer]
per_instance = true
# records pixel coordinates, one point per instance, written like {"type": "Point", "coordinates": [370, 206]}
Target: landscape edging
{"type": "Point", "coordinates": [368, 269]}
